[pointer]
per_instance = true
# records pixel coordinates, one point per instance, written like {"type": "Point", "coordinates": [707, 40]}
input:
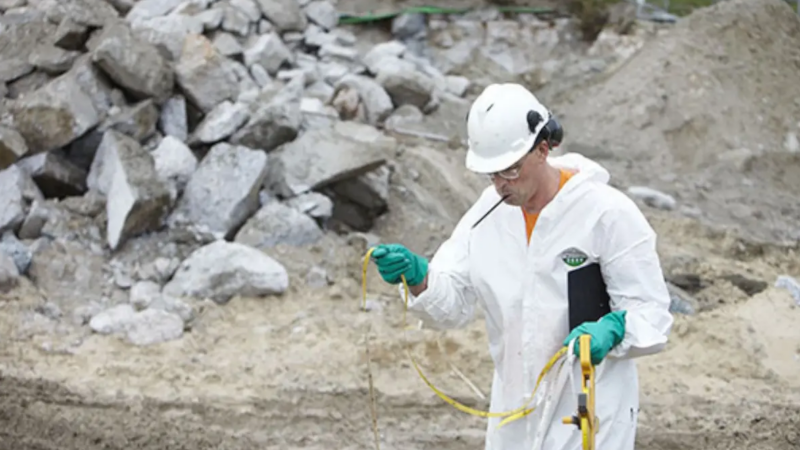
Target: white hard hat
{"type": "Point", "coordinates": [502, 126]}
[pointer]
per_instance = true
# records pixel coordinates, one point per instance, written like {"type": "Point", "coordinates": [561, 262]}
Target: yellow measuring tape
{"type": "Point", "coordinates": [510, 416]}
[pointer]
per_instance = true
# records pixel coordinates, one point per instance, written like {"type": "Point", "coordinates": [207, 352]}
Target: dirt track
{"type": "Point", "coordinates": [38, 415]}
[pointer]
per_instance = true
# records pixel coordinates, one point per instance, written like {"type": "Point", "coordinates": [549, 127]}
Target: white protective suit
{"type": "Point", "coordinates": [523, 291]}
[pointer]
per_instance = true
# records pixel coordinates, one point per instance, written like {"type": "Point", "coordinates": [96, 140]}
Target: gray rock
{"type": "Point", "coordinates": [274, 122]}
{"type": "Point", "coordinates": [70, 35]}
{"type": "Point", "coordinates": [55, 175]}
{"type": "Point", "coordinates": [69, 273]}
{"type": "Point", "coordinates": [93, 81]}
{"type": "Point", "coordinates": [167, 33]}
{"type": "Point", "coordinates": [234, 20]}
{"type": "Point", "coordinates": [391, 51]}
{"type": "Point", "coordinates": [146, 9]}
{"type": "Point", "coordinates": [174, 305]}
{"type": "Point", "coordinates": [136, 66]}
{"type": "Point", "coordinates": [173, 119]}
{"type": "Point", "coordinates": [408, 26]}
{"type": "Point", "coordinates": [220, 123]}
{"type": "Point", "coordinates": [222, 193]}
{"type": "Point", "coordinates": [338, 52]}
{"type": "Point", "coordinates": [317, 277]}
{"type": "Point", "coordinates": [276, 224]}
{"type": "Point", "coordinates": [142, 293]}
{"type": "Point", "coordinates": [652, 197]}
{"type": "Point", "coordinates": [681, 302]}
{"type": "Point", "coordinates": [153, 326]}
{"type": "Point", "coordinates": [17, 192]}
{"type": "Point", "coordinates": [221, 270]}
{"type": "Point", "coordinates": [791, 285]}
{"type": "Point", "coordinates": [137, 121]}
{"type": "Point", "coordinates": [314, 204]}
{"type": "Point", "coordinates": [249, 8]}
{"type": "Point", "coordinates": [53, 60]}
{"type": "Point", "coordinates": [175, 162]}
{"type": "Point", "coordinates": [377, 102]}
{"type": "Point", "coordinates": [12, 146]}
{"type": "Point", "coordinates": [19, 252]}
{"type": "Point", "coordinates": [405, 85]}
{"type": "Point", "coordinates": [138, 200]}
{"type": "Point", "coordinates": [322, 13]}
{"type": "Point", "coordinates": [114, 148]}
{"type": "Point", "coordinates": [159, 270]}
{"type": "Point", "coordinates": [34, 222]}
{"type": "Point", "coordinates": [285, 15]}
{"type": "Point", "coordinates": [113, 320]}
{"type": "Point", "coordinates": [316, 37]}
{"type": "Point", "coordinates": [457, 85]}
{"type": "Point", "coordinates": [202, 75]}
{"type": "Point", "coordinates": [9, 274]}
{"type": "Point", "coordinates": [54, 115]}
{"type": "Point", "coordinates": [325, 156]}
{"type": "Point", "coordinates": [226, 44]}
{"type": "Point", "coordinates": [92, 13]}
{"type": "Point", "coordinates": [211, 19]}
{"type": "Point", "coordinates": [370, 190]}
{"type": "Point", "coordinates": [270, 52]}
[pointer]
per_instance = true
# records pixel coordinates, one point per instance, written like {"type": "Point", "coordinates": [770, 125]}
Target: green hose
{"type": "Point", "coordinates": [346, 18]}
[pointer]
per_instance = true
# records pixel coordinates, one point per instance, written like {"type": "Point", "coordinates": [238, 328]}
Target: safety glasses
{"type": "Point", "coordinates": [512, 173]}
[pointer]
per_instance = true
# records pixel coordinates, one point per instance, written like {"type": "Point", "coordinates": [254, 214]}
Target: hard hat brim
{"type": "Point", "coordinates": [482, 165]}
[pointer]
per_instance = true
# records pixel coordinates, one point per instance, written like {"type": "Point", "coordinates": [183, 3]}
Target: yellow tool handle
{"type": "Point", "coordinates": [585, 420]}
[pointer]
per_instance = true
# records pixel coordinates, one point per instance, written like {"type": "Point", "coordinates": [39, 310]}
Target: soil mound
{"type": "Point", "coordinates": [722, 79]}
{"type": "Point", "coordinates": [712, 106]}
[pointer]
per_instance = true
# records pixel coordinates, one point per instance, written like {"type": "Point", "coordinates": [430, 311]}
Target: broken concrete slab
{"type": "Point", "coordinates": [138, 201]}
{"type": "Point", "coordinates": [220, 123]}
{"type": "Point", "coordinates": [273, 122]}
{"type": "Point", "coordinates": [404, 84]}
{"type": "Point", "coordinates": [52, 60]}
{"type": "Point", "coordinates": [136, 66]}
{"type": "Point", "coordinates": [276, 223]}
{"type": "Point", "coordinates": [17, 192]}
{"type": "Point", "coordinates": [55, 175]}
{"type": "Point", "coordinates": [202, 74]}
{"type": "Point", "coordinates": [221, 270]}
{"type": "Point", "coordinates": [285, 15]}
{"type": "Point", "coordinates": [114, 147]}
{"type": "Point", "coordinates": [376, 101]}
{"type": "Point", "coordinates": [12, 146]}
{"type": "Point", "coordinates": [54, 115]}
{"type": "Point", "coordinates": [222, 193]}
{"type": "Point", "coordinates": [175, 162]}
{"type": "Point", "coordinates": [321, 157]}
{"type": "Point", "coordinates": [137, 121]}
{"type": "Point", "coordinates": [270, 52]}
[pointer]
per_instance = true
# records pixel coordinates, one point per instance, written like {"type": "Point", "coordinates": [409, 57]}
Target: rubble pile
{"type": "Point", "coordinates": [227, 126]}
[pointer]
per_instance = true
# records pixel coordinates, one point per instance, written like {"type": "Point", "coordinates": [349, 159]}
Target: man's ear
{"type": "Point", "coordinates": [542, 151]}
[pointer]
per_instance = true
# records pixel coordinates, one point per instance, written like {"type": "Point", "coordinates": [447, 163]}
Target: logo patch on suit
{"type": "Point", "coordinates": [573, 257]}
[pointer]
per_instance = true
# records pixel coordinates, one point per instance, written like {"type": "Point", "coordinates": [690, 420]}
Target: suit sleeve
{"type": "Point", "coordinates": [635, 280]}
{"type": "Point", "coordinates": [449, 300]}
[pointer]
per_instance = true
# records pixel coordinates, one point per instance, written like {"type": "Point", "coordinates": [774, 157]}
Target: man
{"type": "Point", "coordinates": [561, 254]}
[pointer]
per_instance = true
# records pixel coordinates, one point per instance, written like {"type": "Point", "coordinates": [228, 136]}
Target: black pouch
{"type": "Point", "coordinates": [587, 295]}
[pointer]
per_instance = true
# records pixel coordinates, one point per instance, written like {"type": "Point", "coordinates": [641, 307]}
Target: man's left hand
{"type": "Point", "coordinates": [605, 333]}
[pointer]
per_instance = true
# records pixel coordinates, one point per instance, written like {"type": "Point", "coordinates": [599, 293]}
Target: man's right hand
{"type": "Point", "coordinates": [394, 260]}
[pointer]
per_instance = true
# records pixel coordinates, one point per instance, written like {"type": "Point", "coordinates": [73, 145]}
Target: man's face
{"type": "Point", "coordinates": [519, 181]}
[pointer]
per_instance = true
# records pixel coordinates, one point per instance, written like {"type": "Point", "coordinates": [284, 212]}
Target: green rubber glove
{"type": "Point", "coordinates": [394, 260]}
{"type": "Point", "coordinates": [606, 333]}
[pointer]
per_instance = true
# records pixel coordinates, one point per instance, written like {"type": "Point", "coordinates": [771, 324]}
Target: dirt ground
{"type": "Point", "coordinates": [291, 372]}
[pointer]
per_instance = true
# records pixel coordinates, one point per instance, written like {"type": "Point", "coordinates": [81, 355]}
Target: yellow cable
{"type": "Point", "coordinates": [512, 415]}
